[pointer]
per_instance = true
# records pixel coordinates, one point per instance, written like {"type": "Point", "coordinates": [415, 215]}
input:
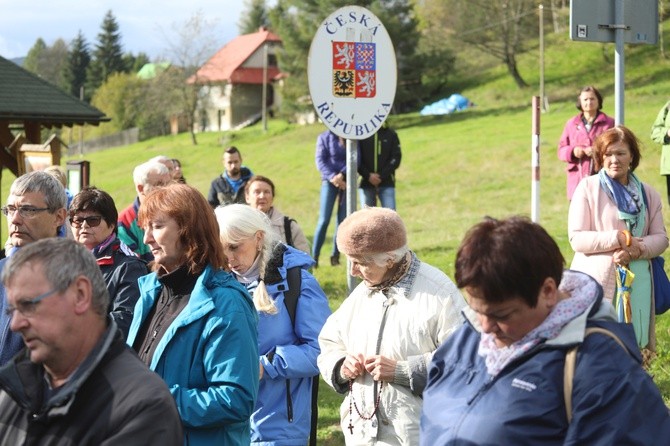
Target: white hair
{"type": "Point", "coordinates": [240, 222]}
{"type": "Point", "coordinates": [380, 258]}
{"type": "Point", "coordinates": [141, 173]}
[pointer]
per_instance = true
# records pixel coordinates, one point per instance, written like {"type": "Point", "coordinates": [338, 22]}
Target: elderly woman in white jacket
{"type": "Point", "coordinates": [376, 347]}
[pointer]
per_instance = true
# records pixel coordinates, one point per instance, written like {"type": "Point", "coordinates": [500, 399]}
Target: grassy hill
{"type": "Point", "coordinates": [455, 169]}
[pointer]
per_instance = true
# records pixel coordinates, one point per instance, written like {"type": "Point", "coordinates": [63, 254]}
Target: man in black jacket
{"type": "Point", "coordinates": [378, 158]}
{"type": "Point", "coordinates": [228, 187]}
{"type": "Point", "coordinates": [76, 382]}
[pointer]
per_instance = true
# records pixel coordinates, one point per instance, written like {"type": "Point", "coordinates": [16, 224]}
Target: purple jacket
{"type": "Point", "coordinates": [575, 134]}
{"type": "Point", "coordinates": [331, 156]}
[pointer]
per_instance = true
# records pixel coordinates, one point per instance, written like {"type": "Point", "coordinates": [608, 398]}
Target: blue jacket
{"type": "Point", "coordinates": [10, 343]}
{"type": "Point", "coordinates": [288, 354]}
{"type": "Point", "coordinates": [331, 156]}
{"type": "Point", "coordinates": [614, 401]}
{"type": "Point", "coordinates": [208, 357]}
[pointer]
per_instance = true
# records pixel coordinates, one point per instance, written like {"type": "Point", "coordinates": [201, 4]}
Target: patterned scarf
{"type": "Point", "coordinates": [628, 200]}
{"type": "Point", "coordinates": [402, 268]}
{"type": "Point", "coordinates": [582, 294]}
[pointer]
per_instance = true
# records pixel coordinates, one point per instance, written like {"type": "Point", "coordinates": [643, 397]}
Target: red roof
{"type": "Point", "coordinates": [226, 64]}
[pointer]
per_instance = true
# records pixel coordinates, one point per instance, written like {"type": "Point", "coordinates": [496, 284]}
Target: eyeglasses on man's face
{"type": "Point", "coordinates": [27, 307]}
{"type": "Point", "coordinates": [26, 212]}
{"type": "Point", "coordinates": [92, 221]}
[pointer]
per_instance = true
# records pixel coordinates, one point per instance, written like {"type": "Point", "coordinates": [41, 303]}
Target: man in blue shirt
{"type": "Point", "coordinates": [228, 187]}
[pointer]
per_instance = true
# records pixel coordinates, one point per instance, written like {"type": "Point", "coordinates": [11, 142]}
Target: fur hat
{"type": "Point", "coordinates": [371, 231]}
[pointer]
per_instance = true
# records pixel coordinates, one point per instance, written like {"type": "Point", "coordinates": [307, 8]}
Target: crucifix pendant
{"type": "Point", "coordinates": [351, 428]}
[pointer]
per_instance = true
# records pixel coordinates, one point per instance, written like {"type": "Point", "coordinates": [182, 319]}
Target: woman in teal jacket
{"type": "Point", "coordinates": [194, 324]}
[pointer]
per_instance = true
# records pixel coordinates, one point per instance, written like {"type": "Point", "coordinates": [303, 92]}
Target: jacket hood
{"type": "Point", "coordinates": [283, 258]}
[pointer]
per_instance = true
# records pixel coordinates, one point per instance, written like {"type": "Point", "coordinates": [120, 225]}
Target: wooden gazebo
{"type": "Point", "coordinates": [27, 105]}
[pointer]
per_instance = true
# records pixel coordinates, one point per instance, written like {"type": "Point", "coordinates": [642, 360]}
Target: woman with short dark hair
{"type": "Point", "coordinates": [502, 377]}
{"type": "Point", "coordinates": [576, 144]}
{"type": "Point", "coordinates": [93, 219]}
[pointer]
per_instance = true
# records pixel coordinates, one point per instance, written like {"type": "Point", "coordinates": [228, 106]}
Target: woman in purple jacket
{"type": "Point", "coordinates": [575, 147]}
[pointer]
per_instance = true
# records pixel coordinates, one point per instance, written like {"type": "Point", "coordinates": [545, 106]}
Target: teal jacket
{"type": "Point", "coordinates": [208, 357]}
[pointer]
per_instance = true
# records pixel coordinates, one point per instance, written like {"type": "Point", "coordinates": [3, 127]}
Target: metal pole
{"type": "Point", "coordinates": [544, 108]}
{"type": "Point", "coordinates": [618, 62]}
{"type": "Point", "coordinates": [352, 176]}
{"type": "Point", "coordinates": [81, 127]}
{"type": "Point", "coordinates": [535, 163]}
{"type": "Point", "coordinates": [265, 88]}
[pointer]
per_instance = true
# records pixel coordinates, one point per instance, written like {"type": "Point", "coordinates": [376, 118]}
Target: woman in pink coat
{"type": "Point", "coordinates": [615, 219]}
{"type": "Point", "coordinates": [575, 147]}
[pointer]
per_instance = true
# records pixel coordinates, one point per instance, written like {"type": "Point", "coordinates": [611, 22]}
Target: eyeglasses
{"type": "Point", "coordinates": [26, 212]}
{"type": "Point", "coordinates": [92, 221]}
{"type": "Point", "coordinates": [27, 307]}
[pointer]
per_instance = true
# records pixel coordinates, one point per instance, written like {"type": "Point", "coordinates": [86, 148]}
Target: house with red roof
{"type": "Point", "coordinates": [234, 79]}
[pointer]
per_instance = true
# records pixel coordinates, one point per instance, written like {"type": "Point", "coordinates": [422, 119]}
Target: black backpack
{"type": "Point", "coordinates": [291, 301]}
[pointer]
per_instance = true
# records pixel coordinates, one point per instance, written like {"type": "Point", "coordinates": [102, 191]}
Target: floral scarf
{"type": "Point", "coordinates": [628, 200]}
{"type": "Point", "coordinates": [582, 294]}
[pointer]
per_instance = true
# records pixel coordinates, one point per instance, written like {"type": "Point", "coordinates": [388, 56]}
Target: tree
{"type": "Point", "coordinates": [135, 63]}
{"type": "Point", "coordinates": [48, 62]}
{"type": "Point", "coordinates": [254, 16]}
{"type": "Point", "coordinates": [79, 59]}
{"type": "Point", "coordinates": [34, 56]}
{"type": "Point", "coordinates": [107, 55]}
{"type": "Point", "coordinates": [189, 47]}
{"type": "Point", "coordinates": [496, 27]}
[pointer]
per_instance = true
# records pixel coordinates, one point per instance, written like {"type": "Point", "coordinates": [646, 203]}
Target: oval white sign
{"type": "Point", "coordinates": [352, 72]}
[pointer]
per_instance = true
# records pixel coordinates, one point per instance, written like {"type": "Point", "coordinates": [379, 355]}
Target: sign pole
{"type": "Point", "coordinates": [352, 176]}
{"type": "Point", "coordinates": [618, 61]}
{"type": "Point", "coordinates": [352, 76]}
{"type": "Point", "coordinates": [535, 163]}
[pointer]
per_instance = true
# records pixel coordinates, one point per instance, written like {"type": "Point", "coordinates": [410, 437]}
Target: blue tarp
{"type": "Point", "coordinates": [453, 103]}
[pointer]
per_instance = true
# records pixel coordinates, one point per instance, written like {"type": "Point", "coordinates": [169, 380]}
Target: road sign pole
{"type": "Point", "coordinates": [352, 175]}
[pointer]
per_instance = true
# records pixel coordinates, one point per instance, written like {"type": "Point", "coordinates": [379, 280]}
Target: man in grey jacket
{"type": "Point", "coordinates": [75, 382]}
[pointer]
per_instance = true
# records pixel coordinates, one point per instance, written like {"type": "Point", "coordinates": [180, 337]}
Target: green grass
{"type": "Point", "coordinates": [455, 169]}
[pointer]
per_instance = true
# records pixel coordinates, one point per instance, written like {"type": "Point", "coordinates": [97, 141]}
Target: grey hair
{"type": "Point", "coordinates": [380, 258]}
{"type": "Point", "coordinates": [48, 185]}
{"type": "Point", "coordinates": [141, 173]}
{"type": "Point", "coordinates": [63, 260]}
{"type": "Point", "coordinates": [240, 222]}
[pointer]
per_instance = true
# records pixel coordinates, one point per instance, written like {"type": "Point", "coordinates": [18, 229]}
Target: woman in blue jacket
{"type": "Point", "coordinates": [194, 324]}
{"type": "Point", "coordinates": [500, 379]}
{"type": "Point", "coordinates": [288, 348]}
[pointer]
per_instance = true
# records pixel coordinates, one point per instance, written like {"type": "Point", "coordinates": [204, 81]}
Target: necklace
{"type": "Point", "coordinates": [352, 402]}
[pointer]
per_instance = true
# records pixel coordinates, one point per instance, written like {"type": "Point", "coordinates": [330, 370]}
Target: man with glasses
{"type": "Point", "coordinates": [147, 177]}
{"type": "Point", "coordinates": [35, 209]}
{"type": "Point", "coordinates": [76, 382]}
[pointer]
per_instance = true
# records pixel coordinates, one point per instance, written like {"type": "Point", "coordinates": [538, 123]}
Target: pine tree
{"type": "Point", "coordinates": [79, 59]}
{"type": "Point", "coordinates": [108, 54]}
{"type": "Point", "coordinates": [253, 17]}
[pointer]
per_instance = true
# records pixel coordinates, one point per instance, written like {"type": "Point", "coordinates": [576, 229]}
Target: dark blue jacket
{"type": "Point", "coordinates": [10, 343]}
{"type": "Point", "coordinates": [614, 400]}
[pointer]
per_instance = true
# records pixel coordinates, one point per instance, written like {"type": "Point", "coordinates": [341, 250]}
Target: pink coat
{"type": "Point", "coordinates": [575, 134]}
{"type": "Point", "coordinates": [593, 224]}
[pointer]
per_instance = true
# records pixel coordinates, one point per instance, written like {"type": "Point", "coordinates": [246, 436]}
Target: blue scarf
{"type": "Point", "coordinates": [628, 200]}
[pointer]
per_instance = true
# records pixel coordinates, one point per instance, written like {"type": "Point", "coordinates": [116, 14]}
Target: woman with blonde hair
{"type": "Point", "coordinates": [288, 345]}
{"type": "Point", "coordinates": [194, 324]}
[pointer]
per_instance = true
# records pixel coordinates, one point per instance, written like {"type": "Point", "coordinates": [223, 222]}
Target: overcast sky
{"type": "Point", "coordinates": [143, 23]}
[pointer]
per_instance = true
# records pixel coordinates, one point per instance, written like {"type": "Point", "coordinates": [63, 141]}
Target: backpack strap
{"type": "Point", "coordinates": [292, 294]}
{"type": "Point", "coordinates": [571, 360]}
{"type": "Point", "coordinates": [294, 279]}
{"type": "Point", "coordinates": [287, 230]}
